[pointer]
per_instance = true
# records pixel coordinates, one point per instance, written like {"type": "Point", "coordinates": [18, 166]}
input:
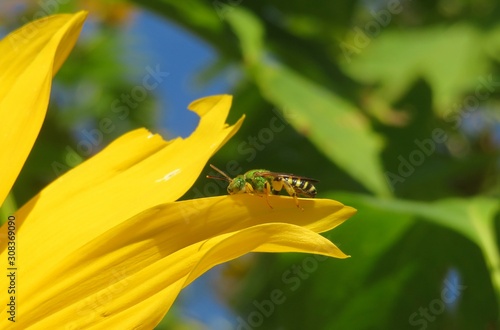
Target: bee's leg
{"type": "Point", "coordinates": [289, 189]}
{"type": "Point", "coordinates": [249, 189]}
{"type": "Point", "coordinates": [279, 183]}
{"type": "Point", "coordinates": [267, 191]}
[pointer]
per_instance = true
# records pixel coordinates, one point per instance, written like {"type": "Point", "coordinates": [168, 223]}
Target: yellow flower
{"type": "Point", "coordinates": [106, 245]}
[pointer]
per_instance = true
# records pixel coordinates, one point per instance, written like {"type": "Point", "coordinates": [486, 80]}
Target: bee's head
{"type": "Point", "coordinates": [237, 185]}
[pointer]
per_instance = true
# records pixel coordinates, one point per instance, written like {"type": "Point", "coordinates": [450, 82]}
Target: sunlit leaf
{"type": "Point", "coordinates": [450, 59]}
{"type": "Point", "coordinates": [334, 125]}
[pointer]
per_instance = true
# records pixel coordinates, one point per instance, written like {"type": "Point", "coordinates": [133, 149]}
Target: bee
{"type": "Point", "coordinates": [263, 183]}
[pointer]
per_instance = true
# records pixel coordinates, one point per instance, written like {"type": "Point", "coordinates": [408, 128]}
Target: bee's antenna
{"type": "Point", "coordinates": [224, 178]}
{"type": "Point", "coordinates": [218, 178]}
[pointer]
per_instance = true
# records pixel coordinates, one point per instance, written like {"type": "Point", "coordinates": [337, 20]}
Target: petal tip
{"type": "Point", "coordinates": [204, 104]}
{"type": "Point", "coordinates": [351, 210]}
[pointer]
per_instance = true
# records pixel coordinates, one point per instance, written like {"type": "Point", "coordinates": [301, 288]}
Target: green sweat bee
{"type": "Point", "coordinates": [264, 182]}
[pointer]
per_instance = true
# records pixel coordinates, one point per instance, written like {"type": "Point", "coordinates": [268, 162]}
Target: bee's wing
{"type": "Point", "coordinates": [289, 175]}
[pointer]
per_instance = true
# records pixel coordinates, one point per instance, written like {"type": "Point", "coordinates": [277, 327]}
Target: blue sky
{"type": "Point", "coordinates": [183, 55]}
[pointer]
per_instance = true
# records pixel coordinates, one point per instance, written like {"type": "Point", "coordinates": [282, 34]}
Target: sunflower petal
{"type": "Point", "coordinates": [130, 275]}
{"type": "Point", "coordinates": [29, 57]}
{"type": "Point", "coordinates": [136, 172]}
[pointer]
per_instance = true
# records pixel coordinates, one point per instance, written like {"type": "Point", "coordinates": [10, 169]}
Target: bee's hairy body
{"type": "Point", "coordinates": [240, 184]}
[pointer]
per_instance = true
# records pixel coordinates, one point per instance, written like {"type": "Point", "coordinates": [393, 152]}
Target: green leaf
{"type": "Point", "coordinates": [250, 32]}
{"type": "Point", "coordinates": [335, 126]}
{"type": "Point", "coordinates": [449, 58]}
{"type": "Point", "coordinates": [472, 218]}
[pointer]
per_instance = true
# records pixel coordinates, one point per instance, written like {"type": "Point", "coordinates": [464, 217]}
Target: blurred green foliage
{"type": "Point", "coordinates": [392, 105]}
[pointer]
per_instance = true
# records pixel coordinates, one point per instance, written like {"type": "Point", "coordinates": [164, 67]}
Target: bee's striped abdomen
{"type": "Point", "coordinates": [301, 186]}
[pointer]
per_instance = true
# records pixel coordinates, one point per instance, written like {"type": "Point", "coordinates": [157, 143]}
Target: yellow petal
{"type": "Point", "coordinates": [129, 276]}
{"type": "Point", "coordinates": [134, 173]}
{"type": "Point", "coordinates": [29, 57]}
